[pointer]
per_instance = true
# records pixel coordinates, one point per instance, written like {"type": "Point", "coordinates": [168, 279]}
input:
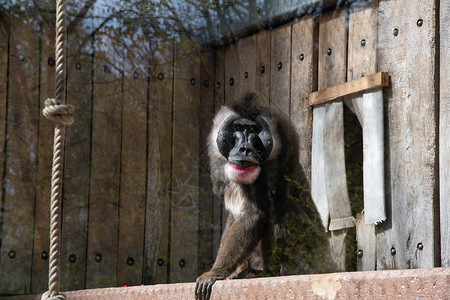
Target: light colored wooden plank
{"type": "Point", "coordinates": [156, 252]}
{"type": "Point", "coordinates": [280, 69]}
{"type": "Point", "coordinates": [105, 159]}
{"type": "Point", "coordinates": [247, 65]}
{"type": "Point", "coordinates": [303, 82]}
{"type": "Point", "coordinates": [377, 80]}
{"type": "Point", "coordinates": [332, 71]}
{"type": "Point", "coordinates": [133, 159]}
{"type": "Point", "coordinates": [263, 67]}
{"type": "Point", "coordinates": [411, 142]}
{"type": "Point", "coordinates": [19, 183]}
{"type": "Point", "coordinates": [444, 132]}
{"type": "Point", "coordinates": [366, 249]}
{"type": "Point", "coordinates": [77, 158]}
{"type": "Point", "coordinates": [207, 223]}
{"type": "Point", "coordinates": [185, 174]}
{"type": "Point", "coordinates": [46, 132]}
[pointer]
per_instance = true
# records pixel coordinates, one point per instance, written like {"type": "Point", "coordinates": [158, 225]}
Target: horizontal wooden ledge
{"type": "Point", "coordinates": [380, 79]}
{"type": "Point", "coordinates": [390, 284]}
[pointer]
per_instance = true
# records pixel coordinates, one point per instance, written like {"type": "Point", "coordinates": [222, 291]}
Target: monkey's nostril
{"type": "Point", "coordinates": [242, 149]}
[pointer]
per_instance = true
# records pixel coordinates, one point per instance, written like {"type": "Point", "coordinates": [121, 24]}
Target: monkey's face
{"type": "Point", "coordinates": [245, 143]}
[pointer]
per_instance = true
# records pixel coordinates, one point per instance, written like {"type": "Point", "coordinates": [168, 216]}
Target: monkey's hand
{"type": "Point", "coordinates": [204, 285]}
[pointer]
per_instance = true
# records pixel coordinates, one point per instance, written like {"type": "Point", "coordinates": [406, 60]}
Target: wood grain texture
{"type": "Point", "coordinates": [185, 169]}
{"type": "Point", "coordinates": [303, 81]}
{"type": "Point", "coordinates": [263, 66]}
{"type": "Point", "coordinates": [207, 223]}
{"type": "Point", "coordinates": [247, 65]}
{"type": "Point", "coordinates": [410, 111]}
{"type": "Point", "coordinates": [45, 146]}
{"type": "Point", "coordinates": [377, 80]}
{"type": "Point", "coordinates": [19, 183]}
{"type": "Point", "coordinates": [77, 158]}
{"type": "Point", "coordinates": [232, 75]}
{"type": "Point", "coordinates": [133, 159]}
{"type": "Point", "coordinates": [444, 132]}
{"type": "Point", "coordinates": [366, 245]}
{"type": "Point", "coordinates": [280, 69]}
{"type": "Point", "coordinates": [105, 159]}
{"type": "Point", "coordinates": [156, 251]}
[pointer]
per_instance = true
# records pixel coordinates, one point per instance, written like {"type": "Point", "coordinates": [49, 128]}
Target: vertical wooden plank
{"type": "Point", "coordinates": [232, 75]}
{"type": "Point", "coordinates": [366, 248]}
{"type": "Point", "coordinates": [444, 132]}
{"type": "Point", "coordinates": [332, 70]}
{"type": "Point", "coordinates": [411, 144]}
{"type": "Point", "coordinates": [207, 223]}
{"type": "Point", "coordinates": [280, 69]}
{"type": "Point", "coordinates": [133, 159]}
{"type": "Point", "coordinates": [45, 146]}
{"type": "Point", "coordinates": [105, 160]}
{"type": "Point", "coordinates": [303, 81]}
{"type": "Point", "coordinates": [218, 205]}
{"type": "Point", "coordinates": [185, 176]}
{"type": "Point", "coordinates": [247, 66]}
{"type": "Point", "coordinates": [362, 45]}
{"type": "Point", "coordinates": [156, 251]}
{"type": "Point", "coordinates": [21, 156]}
{"type": "Point", "coordinates": [263, 67]}
{"type": "Point", "coordinates": [77, 157]}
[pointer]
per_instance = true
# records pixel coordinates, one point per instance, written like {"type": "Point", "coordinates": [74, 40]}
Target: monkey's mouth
{"type": "Point", "coordinates": [242, 164]}
{"type": "Point", "coordinates": [243, 171]}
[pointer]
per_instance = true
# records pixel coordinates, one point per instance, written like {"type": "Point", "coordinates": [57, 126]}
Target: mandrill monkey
{"type": "Point", "coordinates": [273, 226]}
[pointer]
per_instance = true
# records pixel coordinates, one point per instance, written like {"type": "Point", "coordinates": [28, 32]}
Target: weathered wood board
{"type": "Point", "coordinates": [105, 160]}
{"type": "Point", "coordinates": [185, 168]}
{"type": "Point", "coordinates": [303, 81]}
{"type": "Point", "coordinates": [366, 245]}
{"type": "Point", "coordinates": [22, 128]}
{"type": "Point", "coordinates": [159, 171]}
{"type": "Point", "coordinates": [77, 157]}
{"type": "Point", "coordinates": [133, 159]}
{"type": "Point", "coordinates": [444, 132]}
{"type": "Point", "coordinates": [407, 239]}
{"type": "Point", "coordinates": [280, 70]}
{"type": "Point", "coordinates": [45, 146]}
{"type": "Point", "coordinates": [263, 42]}
{"type": "Point", "coordinates": [328, 138]}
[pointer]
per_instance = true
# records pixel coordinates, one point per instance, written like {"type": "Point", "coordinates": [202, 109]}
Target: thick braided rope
{"type": "Point", "coordinates": [62, 115]}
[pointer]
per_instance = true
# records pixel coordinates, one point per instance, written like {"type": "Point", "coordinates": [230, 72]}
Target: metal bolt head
{"type": "Point", "coordinates": [360, 253]}
{"type": "Point", "coordinates": [78, 66]}
{"type": "Point", "coordinates": [420, 246]}
{"type": "Point", "coordinates": [205, 83]}
{"type": "Point", "coordinates": [217, 85]}
{"type": "Point", "coordinates": [393, 251]}
{"type": "Point", "coordinates": [302, 57]}
{"type": "Point", "coordinates": [98, 257]}
{"type": "Point", "coordinates": [246, 74]}
{"type": "Point", "coordinates": [329, 51]}
{"type": "Point", "coordinates": [130, 261]}
{"type": "Point", "coordinates": [182, 263]}
{"type": "Point", "coordinates": [160, 262]}
{"type": "Point", "coordinates": [51, 61]}
{"type": "Point", "coordinates": [420, 22]}
{"type": "Point", "coordinates": [395, 32]}
{"type": "Point", "coordinates": [160, 76]}
{"type": "Point", "coordinates": [21, 57]}
{"type": "Point", "coordinates": [135, 74]}
{"type": "Point", "coordinates": [192, 81]}
{"type": "Point", "coordinates": [363, 42]}
{"type": "Point", "coordinates": [44, 255]}
{"type": "Point", "coordinates": [72, 258]}
{"type": "Point", "coordinates": [12, 254]}
{"type": "Point", "coordinates": [262, 69]}
{"type": "Point", "coordinates": [231, 81]}
{"type": "Point", "coordinates": [280, 65]}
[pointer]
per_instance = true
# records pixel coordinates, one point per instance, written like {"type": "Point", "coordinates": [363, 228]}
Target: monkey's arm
{"type": "Point", "coordinates": [240, 237]}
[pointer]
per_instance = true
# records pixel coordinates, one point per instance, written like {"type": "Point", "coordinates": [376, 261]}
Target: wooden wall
{"type": "Point", "coordinates": [137, 201]}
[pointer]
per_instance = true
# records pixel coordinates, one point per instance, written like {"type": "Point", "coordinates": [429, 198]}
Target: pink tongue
{"type": "Point", "coordinates": [240, 170]}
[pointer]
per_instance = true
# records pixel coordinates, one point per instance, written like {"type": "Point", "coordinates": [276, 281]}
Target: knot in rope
{"type": "Point", "coordinates": [60, 296]}
{"type": "Point", "coordinates": [60, 113]}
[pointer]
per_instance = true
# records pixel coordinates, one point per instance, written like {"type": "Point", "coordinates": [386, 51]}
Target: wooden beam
{"type": "Point", "coordinates": [380, 79]}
